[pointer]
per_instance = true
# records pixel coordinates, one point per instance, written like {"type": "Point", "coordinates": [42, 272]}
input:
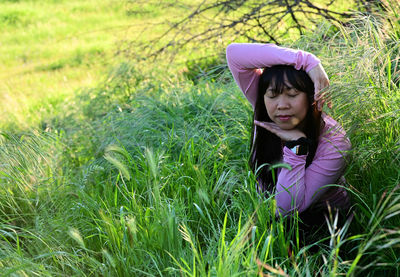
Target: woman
{"type": "Point", "coordinates": [283, 85]}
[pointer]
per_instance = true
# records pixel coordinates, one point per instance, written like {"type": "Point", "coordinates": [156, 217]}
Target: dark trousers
{"type": "Point", "coordinates": [313, 224]}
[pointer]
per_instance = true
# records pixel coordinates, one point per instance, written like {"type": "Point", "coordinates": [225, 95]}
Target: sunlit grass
{"type": "Point", "coordinates": [50, 49]}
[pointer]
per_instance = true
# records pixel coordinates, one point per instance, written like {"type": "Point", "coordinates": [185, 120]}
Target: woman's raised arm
{"type": "Point", "coordinates": [246, 61]}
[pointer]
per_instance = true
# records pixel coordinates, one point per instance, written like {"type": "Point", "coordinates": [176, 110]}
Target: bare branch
{"type": "Point", "coordinates": [255, 20]}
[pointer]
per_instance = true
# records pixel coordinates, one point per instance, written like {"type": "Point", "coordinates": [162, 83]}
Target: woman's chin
{"type": "Point", "coordinates": [286, 126]}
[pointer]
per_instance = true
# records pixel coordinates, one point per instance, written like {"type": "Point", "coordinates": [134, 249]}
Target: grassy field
{"type": "Point", "coordinates": [115, 166]}
{"type": "Point", "coordinates": [51, 49]}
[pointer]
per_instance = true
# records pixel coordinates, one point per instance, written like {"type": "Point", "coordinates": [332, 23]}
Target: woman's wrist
{"type": "Point", "coordinates": [300, 146]}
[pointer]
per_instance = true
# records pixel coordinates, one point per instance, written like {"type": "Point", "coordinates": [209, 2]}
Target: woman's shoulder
{"type": "Point", "coordinates": [333, 134]}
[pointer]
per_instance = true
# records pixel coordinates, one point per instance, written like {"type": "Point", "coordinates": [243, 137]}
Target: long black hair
{"type": "Point", "coordinates": [266, 147]}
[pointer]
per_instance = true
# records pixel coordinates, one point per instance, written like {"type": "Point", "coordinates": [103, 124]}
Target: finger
{"type": "Point", "coordinates": [269, 126]}
{"type": "Point", "coordinates": [319, 95]}
{"type": "Point", "coordinates": [323, 97]}
{"type": "Point", "coordinates": [259, 123]}
{"type": "Point", "coordinates": [329, 102]}
{"type": "Point", "coordinates": [323, 91]}
{"type": "Point", "coordinates": [264, 123]}
{"type": "Point", "coordinates": [321, 103]}
{"type": "Point", "coordinates": [316, 93]}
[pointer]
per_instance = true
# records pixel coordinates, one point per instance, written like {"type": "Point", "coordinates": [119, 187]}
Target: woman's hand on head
{"type": "Point", "coordinates": [321, 84]}
{"type": "Point", "coordinates": [285, 135]}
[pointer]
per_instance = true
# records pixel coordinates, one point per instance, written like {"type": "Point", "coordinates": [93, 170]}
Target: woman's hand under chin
{"type": "Point", "coordinates": [285, 135]}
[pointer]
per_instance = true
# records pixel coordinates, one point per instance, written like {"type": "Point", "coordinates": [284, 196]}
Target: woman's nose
{"type": "Point", "coordinates": [283, 103]}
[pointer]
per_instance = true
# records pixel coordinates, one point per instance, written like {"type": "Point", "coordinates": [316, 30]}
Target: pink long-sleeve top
{"type": "Point", "coordinates": [299, 187]}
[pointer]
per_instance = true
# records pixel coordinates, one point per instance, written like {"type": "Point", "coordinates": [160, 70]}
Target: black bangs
{"type": "Point", "coordinates": [274, 77]}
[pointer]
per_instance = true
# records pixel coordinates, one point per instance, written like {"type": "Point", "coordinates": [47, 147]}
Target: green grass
{"type": "Point", "coordinates": [144, 173]}
{"type": "Point", "coordinates": [51, 49]}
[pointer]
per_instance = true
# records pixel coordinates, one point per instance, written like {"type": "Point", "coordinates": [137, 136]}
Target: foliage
{"type": "Point", "coordinates": [211, 22]}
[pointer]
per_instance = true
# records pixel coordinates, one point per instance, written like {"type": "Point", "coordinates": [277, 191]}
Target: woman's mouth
{"type": "Point", "coordinates": [284, 117]}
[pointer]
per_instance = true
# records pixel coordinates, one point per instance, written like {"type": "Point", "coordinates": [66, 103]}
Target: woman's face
{"type": "Point", "coordinates": [287, 109]}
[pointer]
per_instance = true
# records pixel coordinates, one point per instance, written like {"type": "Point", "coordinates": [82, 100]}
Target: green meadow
{"type": "Point", "coordinates": [114, 164]}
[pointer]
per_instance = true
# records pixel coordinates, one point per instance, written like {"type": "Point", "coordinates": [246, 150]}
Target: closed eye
{"type": "Point", "coordinates": [271, 94]}
{"type": "Point", "coordinates": [292, 92]}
